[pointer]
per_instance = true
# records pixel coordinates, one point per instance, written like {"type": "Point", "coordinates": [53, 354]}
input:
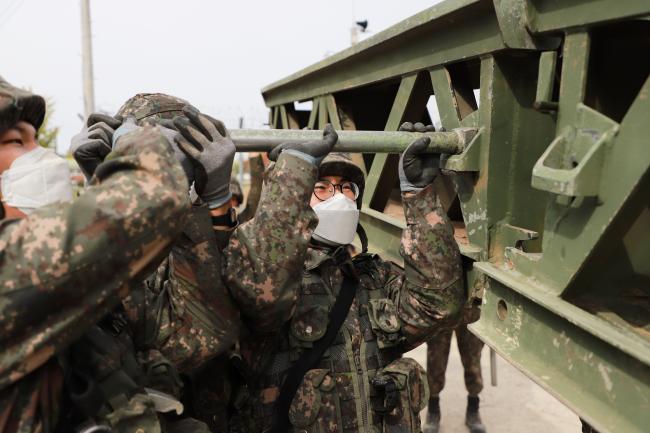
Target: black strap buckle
{"type": "Point", "coordinates": [391, 397]}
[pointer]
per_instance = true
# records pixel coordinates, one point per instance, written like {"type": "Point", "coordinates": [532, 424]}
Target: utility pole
{"type": "Point", "coordinates": [87, 59]}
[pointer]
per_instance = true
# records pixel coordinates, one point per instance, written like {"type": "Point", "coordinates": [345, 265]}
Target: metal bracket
{"type": "Point", "coordinates": [545, 81]}
{"type": "Point", "coordinates": [507, 237]}
{"type": "Point", "coordinates": [572, 163]}
{"type": "Point", "coordinates": [513, 17]}
{"type": "Point", "coordinates": [468, 160]}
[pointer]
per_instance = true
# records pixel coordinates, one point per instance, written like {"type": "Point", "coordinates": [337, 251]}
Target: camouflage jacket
{"type": "Point", "coordinates": [265, 254]}
{"type": "Point", "coordinates": [192, 305]}
{"type": "Point", "coordinates": [184, 315]}
{"type": "Point", "coordinates": [65, 266]}
{"type": "Point", "coordinates": [183, 310]}
{"type": "Point", "coordinates": [394, 310]}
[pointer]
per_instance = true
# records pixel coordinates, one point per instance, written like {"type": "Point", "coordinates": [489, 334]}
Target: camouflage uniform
{"type": "Point", "coordinates": [184, 310]}
{"type": "Point", "coordinates": [183, 318]}
{"type": "Point", "coordinates": [470, 348]}
{"type": "Point", "coordinates": [172, 324]}
{"type": "Point", "coordinates": [394, 310]}
{"type": "Point", "coordinates": [108, 237]}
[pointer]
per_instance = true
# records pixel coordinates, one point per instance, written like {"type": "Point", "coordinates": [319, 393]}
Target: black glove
{"type": "Point", "coordinates": [386, 384]}
{"type": "Point", "coordinates": [416, 127]}
{"type": "Point", "coordinates": [416, 168]}
{"type": "Point", "coordinates": [93, 143]}
{"type": "Point", "coordinates": [313, 151]}
{"type": "Point", "coordinates": [206, 143]}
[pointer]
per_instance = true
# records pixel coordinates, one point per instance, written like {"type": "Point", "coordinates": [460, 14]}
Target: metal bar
{"type": "Point", "coordinates": [263, 140]}
{"type": "Point", "coordinates": [493, 367]}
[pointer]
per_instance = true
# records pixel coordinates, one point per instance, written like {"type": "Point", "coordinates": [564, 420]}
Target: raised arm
{"type": "Point", "coordinates": [429, 292]}
{"type": "Point", "coordinates": [66, 266]}
{"type": "Point", "coordinates": [266, 254]}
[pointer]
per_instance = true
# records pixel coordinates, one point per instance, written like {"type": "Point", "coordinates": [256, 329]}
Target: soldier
{"type": "Point", "coordinates": [470, 348]}
{"type": "Point", "coordinates": [65, 266]}
{"type": "Point", "coordinates": [182, 315]}
{"type": "Point", "coordinates": [185, 315]}
{"type": "Point", "coordinates": [336, 366]}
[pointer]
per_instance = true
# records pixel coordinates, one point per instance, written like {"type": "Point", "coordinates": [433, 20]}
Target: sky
{"type": "Point", "coordinates": [216, 54]}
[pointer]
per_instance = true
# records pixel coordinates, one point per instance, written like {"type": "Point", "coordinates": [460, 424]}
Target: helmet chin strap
{"type": "Point", "coordinates": [363, 237]}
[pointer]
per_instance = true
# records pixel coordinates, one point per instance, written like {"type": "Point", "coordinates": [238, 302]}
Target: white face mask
{"type": "Point", "coordinates": [338, 217]}
{"type": "Point", "coordinates": [35, 179]}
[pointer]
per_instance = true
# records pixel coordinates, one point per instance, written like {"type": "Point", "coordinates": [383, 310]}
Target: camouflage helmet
{"type": "Point", "coordinates": [147, 105]}
{"type": "Point", "coordinates": [341, 164]}
{"type": "Point", "coordinates": [19, 105]}
{"type": "Point", "coordinates": [236, 191]}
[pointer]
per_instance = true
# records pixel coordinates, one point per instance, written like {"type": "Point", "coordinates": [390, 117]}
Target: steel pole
{"type": "Point", "coordinates": [263, 140]}
{"type": "Point", "coordinates": [87, 59]}
{"type": "Point", "coordinates": [493, 367]}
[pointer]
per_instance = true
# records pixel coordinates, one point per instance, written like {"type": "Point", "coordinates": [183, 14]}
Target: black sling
{"type": "Point", "coordinates": [311, 357]}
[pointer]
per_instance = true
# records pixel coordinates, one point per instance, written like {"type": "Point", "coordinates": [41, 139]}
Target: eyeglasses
{"type": "Point", "coordinates": [324, 189]}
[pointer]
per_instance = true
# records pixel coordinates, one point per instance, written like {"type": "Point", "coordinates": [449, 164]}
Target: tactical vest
{"type": "Point", "coordinates": [106, 376]}
{"type": "Point", "coordinates": [338, 396]}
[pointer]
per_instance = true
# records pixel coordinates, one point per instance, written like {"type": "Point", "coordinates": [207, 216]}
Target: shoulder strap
{"type": "Point", "coordinates": [311, 357]}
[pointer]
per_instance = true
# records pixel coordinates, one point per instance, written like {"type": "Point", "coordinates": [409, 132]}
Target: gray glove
{"type": "Point", "coordinates": [93, 143]}
{"type": "Point", "coordinates": [170, 132]}
{"type": "Point", "coordinates": [313, 151]}
{"type": "Point", "coordinates": [416, 168]}
{"type": "Point", "coordinates": [129, 125]}
{"type": "Point", "coordinates": [210, 151]}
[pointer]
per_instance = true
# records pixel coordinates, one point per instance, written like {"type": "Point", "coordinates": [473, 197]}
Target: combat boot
{"type": "Point", "coordinates": [433, 416]}
{"type": "Point", "coordinates": [472, 416]}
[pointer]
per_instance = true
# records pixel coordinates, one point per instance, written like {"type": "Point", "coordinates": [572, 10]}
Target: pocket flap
{"type": "Point", "coordinates": [383, 315]}
{"type": "Point", "coordinates": [410, 377]}
{"type": "Point", "coordinates": [310, 324]}
{"type": "Point", "coordinates": [307, 401]}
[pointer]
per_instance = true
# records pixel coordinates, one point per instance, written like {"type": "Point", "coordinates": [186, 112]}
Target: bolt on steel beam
{"type": "Point", "coordinates": [263, 140]}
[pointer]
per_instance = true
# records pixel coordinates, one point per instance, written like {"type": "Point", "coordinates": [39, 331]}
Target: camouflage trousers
{"type": "Point", "coordinates": [469, 347]}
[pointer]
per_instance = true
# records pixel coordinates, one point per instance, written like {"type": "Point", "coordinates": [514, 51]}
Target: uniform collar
{"type": "Point", "coordinates": [318, 254]}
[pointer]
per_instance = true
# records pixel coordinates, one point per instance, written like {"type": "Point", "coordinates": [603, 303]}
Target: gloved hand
{"type": "Point", "coordinates": [170, 131]}
{"type": "Point", "coordinates": [93, 143]}
{"type": "Point", "coordinates": [416, 127]}
{"type": "Point", "coordinates": [127, 126]}
{"type": "Point", "coordinates": [391, 393]}
{"type": "Point", "coordinates": [313, 151]}
{"type": "Point", "coordinates": [210, 151]}
{"type": "Point", "coordinates": [416, 168]}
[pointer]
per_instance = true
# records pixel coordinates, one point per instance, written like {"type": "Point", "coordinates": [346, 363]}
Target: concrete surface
{"type": "Point", "coordinates": [516, 405]}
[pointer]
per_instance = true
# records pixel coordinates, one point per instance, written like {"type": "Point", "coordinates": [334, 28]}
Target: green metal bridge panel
{"type": "Point", "coordinates": [549, 199]}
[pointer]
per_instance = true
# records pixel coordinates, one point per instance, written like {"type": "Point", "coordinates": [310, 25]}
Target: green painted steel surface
{"type": "Point", "coordinates": [550, 199]}
{"type": "Point", "coordinates": [264, 140]}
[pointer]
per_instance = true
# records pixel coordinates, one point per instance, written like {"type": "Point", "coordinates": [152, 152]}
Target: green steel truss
{"type": "Point", "coordinates": [551, 199]}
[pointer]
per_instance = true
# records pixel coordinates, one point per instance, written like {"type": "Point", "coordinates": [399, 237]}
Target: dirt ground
{"type": "Point", "coordinates": [515, 405]}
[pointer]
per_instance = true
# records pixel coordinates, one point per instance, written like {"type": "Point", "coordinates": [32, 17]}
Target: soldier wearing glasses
{"type": "Point", "coordinates": [336, 366]}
